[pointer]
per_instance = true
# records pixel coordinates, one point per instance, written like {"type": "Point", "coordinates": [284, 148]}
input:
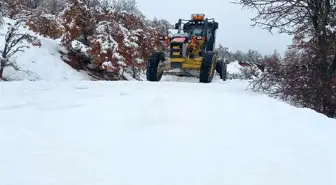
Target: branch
{"type": "Point", "coordinates": [2, 21]}
{"type": "Point", "coordinates": [281, 14]}
{"type": "Point", "coordinates": [13, 65]}
{"type": "Point", "coordinates": [18, 49]}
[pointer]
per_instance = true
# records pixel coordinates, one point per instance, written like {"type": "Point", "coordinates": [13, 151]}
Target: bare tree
{"type": "Point", "coordinates": [13, 44]}
{"type": "Point", "coordinates": [300, 16]}
{"type": "Point", "coordinates": [312, 23]}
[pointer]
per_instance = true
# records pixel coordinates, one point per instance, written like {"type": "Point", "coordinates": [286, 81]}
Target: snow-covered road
{"type": "Point", "coordinates": [167, 133]}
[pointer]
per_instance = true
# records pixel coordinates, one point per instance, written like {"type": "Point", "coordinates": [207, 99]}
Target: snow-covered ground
{"type": "Point", "coordinates": [167, 133]}
{"type": "Point", "coordinates": [175, 132]}
{"type": "Point", "coordinates": [39, 63]}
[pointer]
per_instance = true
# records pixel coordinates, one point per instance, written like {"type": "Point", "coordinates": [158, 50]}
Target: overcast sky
{"type": "Point", "coordinates": [235, 29]}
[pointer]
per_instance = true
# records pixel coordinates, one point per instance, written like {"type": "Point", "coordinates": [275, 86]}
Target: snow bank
{"type": "Point", "coordinates": [159, 133]}
{"type": "Point", "coordinates": [234, 68]}
{"type": "Point", "coordinates": [40, 63]}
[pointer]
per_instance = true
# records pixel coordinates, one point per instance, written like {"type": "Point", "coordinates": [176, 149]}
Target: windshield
{"type": "Point", "coordinates": [197, 31]}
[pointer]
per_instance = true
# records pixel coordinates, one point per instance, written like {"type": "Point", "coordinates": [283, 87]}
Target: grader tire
{"type": "Point", "coordinates": [153, 73]}
{"type": "Point", "coordinates": [221, 69]}
{"type": "Point", "coordinates": [207, 70]}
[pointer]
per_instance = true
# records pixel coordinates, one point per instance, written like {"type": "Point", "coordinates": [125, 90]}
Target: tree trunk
{"type": "Point", "coordinates": [2, 66]}
{"type": "Point", "coordinates": [1, 72]}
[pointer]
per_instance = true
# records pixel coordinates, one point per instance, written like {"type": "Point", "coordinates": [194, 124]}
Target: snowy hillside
{"type": "Point", "coordinates": [167, 133]}
{"type": "Point", "coordinates": [39, 63]}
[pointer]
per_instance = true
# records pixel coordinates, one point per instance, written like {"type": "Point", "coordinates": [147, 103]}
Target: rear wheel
{"type": "Point", "coordinates": [221, 69]}
{"type": "Point", "coordinates": [153, 73]}
{"type": "Point", "coordinates": [207, 70]}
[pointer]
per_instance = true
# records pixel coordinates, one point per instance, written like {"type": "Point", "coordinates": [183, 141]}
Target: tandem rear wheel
{"type": "Point", "coordinates": [221, 69]}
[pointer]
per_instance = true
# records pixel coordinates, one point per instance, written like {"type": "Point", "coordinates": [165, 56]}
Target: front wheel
{"type": "Point", "coordinates": [153, 73]}
{"type": "Point", "coordinates": [207, 70]}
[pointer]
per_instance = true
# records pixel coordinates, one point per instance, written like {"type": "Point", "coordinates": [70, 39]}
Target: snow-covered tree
{"type": "Point", "coordinates": [45, 24]}
{"type": "Point", "coordinates": [253, 56]}
{"type": "Point", "coordinates": [92, 3]}
{"type": "Point", "coordinates": [129, 6]}
{"type": "Point", "coordinates": [223, 52]}
{"type": "Point", "coordinates": [77, 21]}
{"type": "Point", "coordinates": [53, 6]}
{"type": "Point", "coordinates": [15, 8]}
{"type": "Point", "coordinates": [122, 42]}
{"type": "Point", "coordinates": [161, 25]}
{"type": "Point", "coordinates": [104, 48]}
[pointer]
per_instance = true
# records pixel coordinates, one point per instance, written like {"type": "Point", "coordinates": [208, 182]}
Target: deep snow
{"type": "Point", "coordinates": [167, 133]}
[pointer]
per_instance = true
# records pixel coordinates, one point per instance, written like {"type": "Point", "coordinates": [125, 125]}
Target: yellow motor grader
{"type": "Point", "coordinates": [191, 52]}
